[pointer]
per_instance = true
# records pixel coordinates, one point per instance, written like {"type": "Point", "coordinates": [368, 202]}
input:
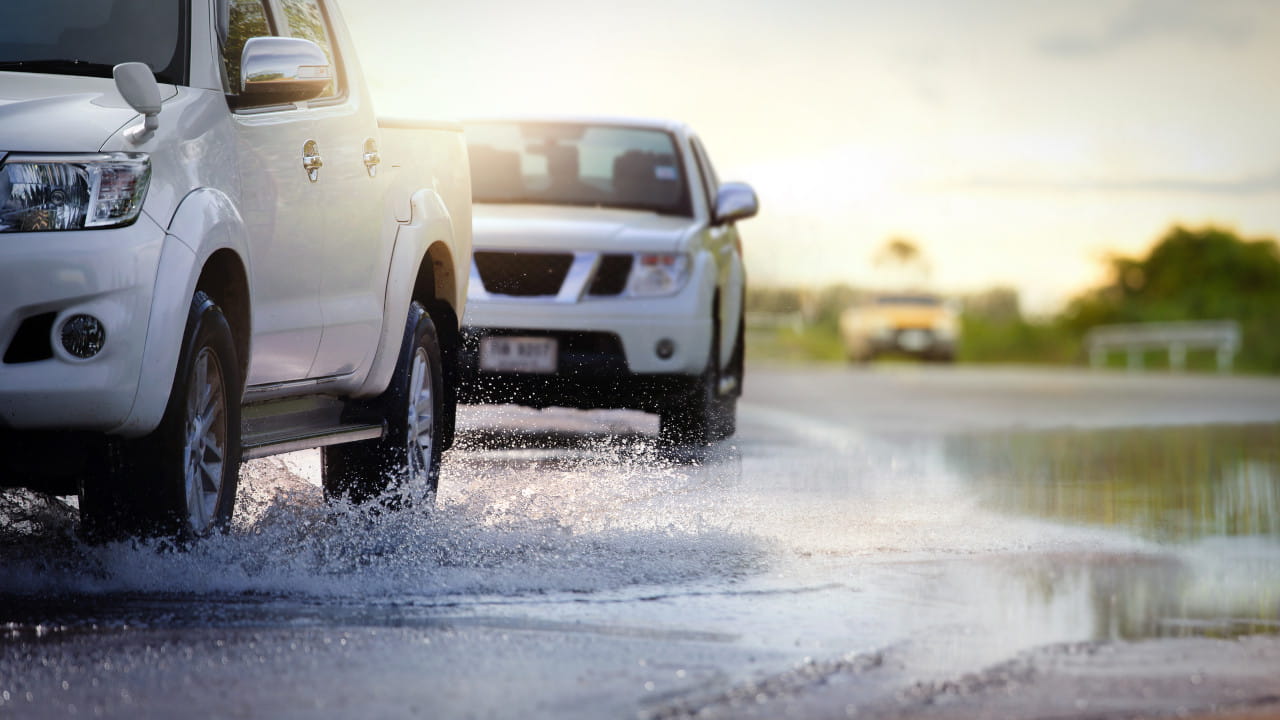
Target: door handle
{"type": "Point", "coordinates": [372, 158]}
{"type": "Point", "coordinates": [311, 161]}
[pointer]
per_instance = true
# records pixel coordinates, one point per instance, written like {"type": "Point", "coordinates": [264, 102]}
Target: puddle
{"type": "Point", "coordinates": [1206, 500]}
{"type": "Point", "coordinates": [1170, 485]}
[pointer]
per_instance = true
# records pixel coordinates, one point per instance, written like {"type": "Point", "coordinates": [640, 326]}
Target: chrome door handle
{"type": "Point", "coordinates": [371, 162]}
{"type": "Point", "coordinates": [311, 161]}
{"type": "Point", "coordinates": [372, 158]}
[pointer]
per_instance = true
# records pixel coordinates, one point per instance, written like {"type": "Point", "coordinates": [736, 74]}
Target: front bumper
{"type": "Point", "coordinates": [607, 351]}
{"type": "Point", "coordinates": [48, 277]}
{"type": "Point", "coordinates": [918, 342]}
{"type": "Point", "coordinates": [639, 325]}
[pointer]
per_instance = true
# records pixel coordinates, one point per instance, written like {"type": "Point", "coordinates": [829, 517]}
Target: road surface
{"type": "Point", "coordinates": [898, 541]}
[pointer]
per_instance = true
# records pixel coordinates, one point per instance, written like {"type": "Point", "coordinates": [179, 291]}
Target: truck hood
{"type": "Point", "coordinates": [61, 113]}
{"type": "Point", "coordinates": [560, 227]}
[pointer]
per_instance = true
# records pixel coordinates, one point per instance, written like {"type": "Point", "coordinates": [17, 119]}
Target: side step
{"type": "Point", "coordinates": [281, 426]}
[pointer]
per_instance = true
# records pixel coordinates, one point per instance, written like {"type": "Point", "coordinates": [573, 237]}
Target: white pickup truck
{"type": "Point", "coordinates": [211, 250]}
{"type": "Point", "coordinates": [608, 272]}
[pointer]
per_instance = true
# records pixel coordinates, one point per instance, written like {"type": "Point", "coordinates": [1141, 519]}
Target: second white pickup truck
{"type": "Point", "coordinates": [211, 249]}
{"type": "Point", "coordinates": [608, 272]}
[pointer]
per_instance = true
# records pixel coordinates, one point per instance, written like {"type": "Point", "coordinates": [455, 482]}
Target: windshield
{"type": "Point", "coordinates": [90, 37]}
{"type": "Point", "coordinates": [577, 164]}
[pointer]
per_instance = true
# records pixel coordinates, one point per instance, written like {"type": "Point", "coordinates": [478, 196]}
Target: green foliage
{"type": "Point", "coordinates": [813, 338]}
{"type": "Point", "coordinates": [1016, 340]}
{"type": "Point", "coordinates": [1202, 274]}
{"type": "Point", "coordinates": [806, 344]}
{"type": "Point", "coordinates": [773, 300]}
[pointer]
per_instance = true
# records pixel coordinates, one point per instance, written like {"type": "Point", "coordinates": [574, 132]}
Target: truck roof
{"type": "Point", "coordinates": [628, 121]}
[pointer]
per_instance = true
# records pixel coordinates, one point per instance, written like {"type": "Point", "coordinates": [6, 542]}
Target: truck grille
{"type": "Point", "coordinates": [522, 274]}
{"type": "Point", "coordinates": [543, 274]}
{"type": "Point", "coordinates": [611, 275]}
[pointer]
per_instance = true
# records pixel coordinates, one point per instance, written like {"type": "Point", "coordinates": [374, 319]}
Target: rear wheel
{"type": "Point", "coordinates": [181, 479]}
{"type": "Point", "coordinates": [404, 465]}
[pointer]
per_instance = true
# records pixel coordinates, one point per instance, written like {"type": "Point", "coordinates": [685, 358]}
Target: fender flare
{"type": "Point", "coordinates": [428, 237]}
{"type": "Point", "coordinates": [729, 302]}
{"type": "Point", "coordinates": [204, 222]}
{"type": "Point", "coordinates": [706, 274]}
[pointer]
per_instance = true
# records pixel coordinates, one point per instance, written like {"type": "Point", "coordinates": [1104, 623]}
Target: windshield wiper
{"type": "Point", "coordinates": [59, 67]}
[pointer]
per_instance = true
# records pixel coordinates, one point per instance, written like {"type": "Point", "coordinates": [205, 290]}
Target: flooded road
{"type": "Point", "coordinates": [894, 542]}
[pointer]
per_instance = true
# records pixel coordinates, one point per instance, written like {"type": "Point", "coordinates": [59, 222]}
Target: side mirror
{"type": "Point", "coordinates": [137, 85]}
{"type": "Point", "coordinates": [278, 70]}
{"type": "Point", "coordinates": [735, 201]}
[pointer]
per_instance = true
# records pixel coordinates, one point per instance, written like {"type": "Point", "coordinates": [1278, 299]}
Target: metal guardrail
{"type": "Point", "coordinates": [1221, 336]}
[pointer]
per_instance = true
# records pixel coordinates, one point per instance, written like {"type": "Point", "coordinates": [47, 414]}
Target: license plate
{"type": "Point", "coordinates": [518, 354]}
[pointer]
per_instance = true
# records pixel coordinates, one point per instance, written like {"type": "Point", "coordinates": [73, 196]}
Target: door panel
{"type": "Point", "coordinates": [280, 207]}
{"type": "Point", "coordinates": [724, 244]}
{"type": "Point", "coordinates": [352, 252]}
{"type": "Point", "coordinates": [356, 250]}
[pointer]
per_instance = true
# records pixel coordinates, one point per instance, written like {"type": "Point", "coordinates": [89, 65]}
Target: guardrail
{"type": "Point", "coordinates": [1221, 336]}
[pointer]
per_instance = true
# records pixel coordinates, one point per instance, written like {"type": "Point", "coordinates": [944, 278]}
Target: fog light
{"type": "Point", "coordinates": [83, 336]}
{"type": "Point", "coordinates": [665, 348]}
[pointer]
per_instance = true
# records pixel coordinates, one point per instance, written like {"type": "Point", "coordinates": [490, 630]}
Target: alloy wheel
{"type": "Point", "coordinates": [421, 433]}
{"type": "Point", "coordinates": [205, 450]}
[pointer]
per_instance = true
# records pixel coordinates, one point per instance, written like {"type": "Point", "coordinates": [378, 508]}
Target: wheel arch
{"type": "Point", "coordinates": [206, 242]}
{"type": "Point", "coordinates": [424, 269]}
{"type": "Point", "coordinates": [226, 281]}
{"type": "Point", "coordinates": [436, 288]}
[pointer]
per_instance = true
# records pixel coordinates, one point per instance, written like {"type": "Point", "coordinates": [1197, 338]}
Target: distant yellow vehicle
{"type": "Point", "coordinates": [922, 325]}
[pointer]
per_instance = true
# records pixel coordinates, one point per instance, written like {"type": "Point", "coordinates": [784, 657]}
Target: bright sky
{"type": "Point", "coordinates": [1017, 142]}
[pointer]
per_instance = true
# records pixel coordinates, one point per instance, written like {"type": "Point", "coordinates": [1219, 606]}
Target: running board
{"type": "Point", "coordinates": [282, 426]}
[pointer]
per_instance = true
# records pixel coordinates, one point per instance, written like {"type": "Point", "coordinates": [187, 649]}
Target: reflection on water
{"type": "Point", "coordinates": [1164, 484]}
{"type": "Point", "coordinates": [1108, 597]}
{"type": "Point", "coordinates": [1207, 498]}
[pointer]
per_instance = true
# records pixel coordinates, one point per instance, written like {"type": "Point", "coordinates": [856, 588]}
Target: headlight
{"type": "Point", "coordinates": [653, 275]}
{"type": "Point", "coordinates": [71, 192]}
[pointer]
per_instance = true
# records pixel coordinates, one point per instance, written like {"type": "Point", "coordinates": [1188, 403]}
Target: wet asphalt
{"type": "Point", "coordinates": [892, 541]}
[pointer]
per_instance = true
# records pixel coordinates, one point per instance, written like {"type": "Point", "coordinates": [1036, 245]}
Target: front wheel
{"type": "Point", "coordinates": [404, 465]}
{"type": "Point", "coordinates": [701, 415]}
{"type": "Point", "coordinates": [180, 480]}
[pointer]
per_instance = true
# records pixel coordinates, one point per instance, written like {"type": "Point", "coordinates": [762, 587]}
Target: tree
{"type": "Point", "coordinates": [902, 256]}
{"type": "Point", "coordinates": [1195, 274]}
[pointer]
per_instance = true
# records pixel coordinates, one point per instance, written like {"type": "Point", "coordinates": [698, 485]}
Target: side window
{"type": "Point", "coordinates": [306, 20]}
{"type": "Point", "coordinates": [710, 184]}
{"type": "Point", "coordinates": [245, 19]}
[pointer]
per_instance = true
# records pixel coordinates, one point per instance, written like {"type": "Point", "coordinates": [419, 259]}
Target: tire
{"type": "Point", "coordinates": [444, 314]}
{"type": "Point", "coordinates": [402, 467]}
{"type": "Point", "coordinates": [737, 369]}
{"type": "Point", "coordinates": [180, 480]}
{"type": "Point", "coordinates": [728, 418]}
{"type": "Point", "coordinates": [698, 416]}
